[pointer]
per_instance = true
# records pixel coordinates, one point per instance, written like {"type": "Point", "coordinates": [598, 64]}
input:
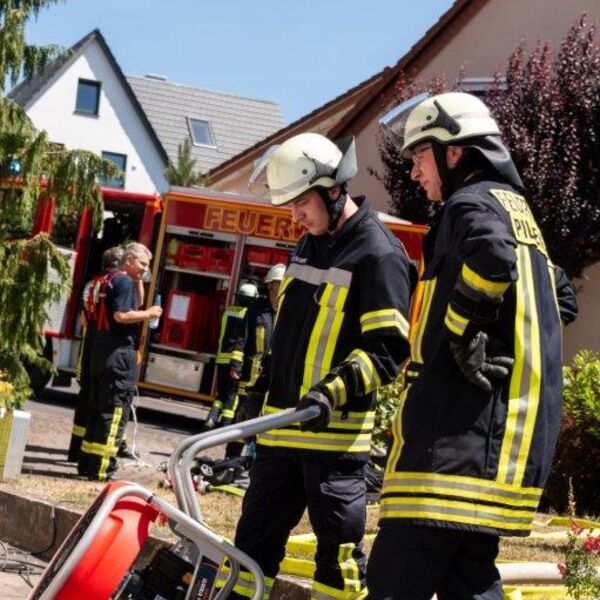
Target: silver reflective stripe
{"type": "Point", "coordinates": [525, 381]}
{"type": "Point", "coordinates": [316, 276]}
{"type": "Point", "coordinates": [469, 513]}
{"type": "Point", "coordinates": [292, 187]}
{"type": "Point", "coordinates": [441, 485]}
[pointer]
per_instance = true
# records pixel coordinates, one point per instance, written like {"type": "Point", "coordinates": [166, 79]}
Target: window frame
{"type": "Point", "coordinates": [111, 182]}
{"type": "Point", "coordinates": [98, 86]}
{"type": "Point", "coordinates": [210, 131]}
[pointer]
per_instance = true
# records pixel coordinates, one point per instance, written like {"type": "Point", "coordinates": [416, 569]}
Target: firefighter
{"type": "Point", "coordinates": [110, 265]}
{"type": "Point", "coordinates": [477, 423]}
{"type": "Point", "coordinates": [113, 368]}
{"type": "Point", "coordinates": [230, 356]}
{"type": "Point", "coordinates": [341, 332]}
{"type": "Point", "coordinates": [259, 329]}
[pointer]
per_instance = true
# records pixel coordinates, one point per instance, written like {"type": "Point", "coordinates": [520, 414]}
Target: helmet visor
{"type": "Point", "coordinates": [258, 184]}
{"type": "Point", "coordinates": [393, 123]}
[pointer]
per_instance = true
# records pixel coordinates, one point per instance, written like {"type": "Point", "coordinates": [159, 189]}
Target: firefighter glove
{"type": "Point", "coordinates": [213, 417]}
{"type": "Point", "coordinates": [319, 423]}
{"type": "Point", "coordinates": [476, 365]}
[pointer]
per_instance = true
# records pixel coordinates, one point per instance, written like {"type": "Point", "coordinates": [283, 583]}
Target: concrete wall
{"type": "Point", "coordinates": [482, 45]}
{"type": "Point", "coordinates": [117, 128]}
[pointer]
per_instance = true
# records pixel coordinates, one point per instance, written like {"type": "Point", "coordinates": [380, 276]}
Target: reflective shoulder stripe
{"type": "Point", "coordinates": [385, 318]}
{"type": "Point", "coordinates": [337, 389]}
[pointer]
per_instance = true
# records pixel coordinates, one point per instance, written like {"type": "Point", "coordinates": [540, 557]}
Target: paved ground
{"type": "Point", "coordinates": [155, 437]}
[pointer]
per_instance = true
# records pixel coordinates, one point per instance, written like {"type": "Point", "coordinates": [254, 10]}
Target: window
{"type": "Point", "coordinates": [480, 86]}
{"type": "Point", "coordinates": [121, 161]}
{"type": "Point", "coordinates": [201, 132]}
{"type": "Point", "coordinates": [88, 97]}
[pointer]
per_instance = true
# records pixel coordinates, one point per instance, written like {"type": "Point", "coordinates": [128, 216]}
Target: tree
{"type": "Point", "coordinates": [184, 172]}
{"type": "Point", "coordinates": [31, 166]}
{"type": "Point", "coordinates": [548, 107]}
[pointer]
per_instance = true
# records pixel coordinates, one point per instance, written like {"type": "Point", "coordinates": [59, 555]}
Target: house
{"type": "Point", "coordinates": [477, 35]}
{"type": "Point", "coordinates": [83, 100]}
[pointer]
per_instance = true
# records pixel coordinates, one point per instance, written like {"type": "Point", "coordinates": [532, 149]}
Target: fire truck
{"type": "Point", "coordinates": [205, 243]}
{"type": "Point", "coordinates": [127, 216]}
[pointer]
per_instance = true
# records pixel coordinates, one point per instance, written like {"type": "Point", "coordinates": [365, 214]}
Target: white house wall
{"type": "Point", "coordinates": [117, 127]}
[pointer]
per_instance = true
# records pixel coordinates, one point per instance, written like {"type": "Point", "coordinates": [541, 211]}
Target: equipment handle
{"type": "Point", "coordinates": [182, 458]}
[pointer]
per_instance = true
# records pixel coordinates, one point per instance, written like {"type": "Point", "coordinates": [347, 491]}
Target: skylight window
{"type": "Point", "coordinates": [201, 132]}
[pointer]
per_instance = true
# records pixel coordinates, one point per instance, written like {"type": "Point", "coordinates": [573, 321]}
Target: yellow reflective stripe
{"type": "Point", "coordinates": [371, 379]}
{"type": "Point", "coordinates": [97, 449]}
{"type": "Point", "coordinates": [111, 442]}
{"type": "Point", "coordinates": [398, 442]}
{"type": "Point", "coordinates": [460, 486]}
{"type": "Point", "coordinates": [353, 420]}
{"type": "Point", "coordinates": [237, 355]}
{"type": "Point", "coordinates": [525, 387]}
{"type": "Point", "coordinates": [260, 339]}
{"type": "Point", "coordinates": [535, 592]}
{"type": "Point", "coordinates": [417, 340]}
{"type": "Point", "coordinates": [552, 276]}
{"type": "Point", "coordinates": [337, 389]}
{"type": "Point", "coordinates": [380, 319]}
{"type": "Point", "coordinates": [350, 571]}
{"type": "Point", "coordinates": [457, 512]}
{"type": "Point", "coordinates": [482, 285]}
{"type": "Point", "coordinates": [78, 431]}
{"type": "Point", "coordinates": [228, 413]}
{"type": "Point", "coordinates": [334, 442]}
{"type": "Point", "coordinates": [324, 336]}
{"type": "Point", "coordinates": [534, 383]}
{"type": "Point", "coordinates": [454, 322]}
{"type": "Point", "coordinates": [217, 404]}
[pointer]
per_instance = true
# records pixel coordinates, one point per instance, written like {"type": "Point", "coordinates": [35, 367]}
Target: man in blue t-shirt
{"type": "Point", "coordinates": [112, 365]}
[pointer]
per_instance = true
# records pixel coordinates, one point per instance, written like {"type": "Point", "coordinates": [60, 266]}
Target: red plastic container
{"type": "Point", "coordinates": [220, 260]}
{"type": "Point", "coordinates": [193, 256]}
{"type": "Point", "coordinates": [258, 255]}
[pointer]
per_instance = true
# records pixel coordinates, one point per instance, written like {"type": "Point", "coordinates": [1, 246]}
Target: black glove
{"type": "Point", "coordinates": [316, 398]}
{"type": "Point", "coordinates": [476, 366]}
{"type": "Point", "coordinates": [212, 418]}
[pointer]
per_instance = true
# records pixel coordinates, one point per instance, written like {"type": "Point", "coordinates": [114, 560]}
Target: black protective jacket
{"type": "Point", "coordinates": [462, 457]}
{"type": "Point", "coordinates": [344, 297]}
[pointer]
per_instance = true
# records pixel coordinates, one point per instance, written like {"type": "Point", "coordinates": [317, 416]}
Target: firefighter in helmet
{"type": "Point", "coordinates": [259, 330]}
{"type": "Point", "coordinates": [230, 356]}
{"type": "Point", "coordinates": [477, 424]}
{"type": "Point", "coordinates": [341, 331]}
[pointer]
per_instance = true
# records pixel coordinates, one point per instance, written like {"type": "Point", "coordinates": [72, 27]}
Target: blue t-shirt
{"type": "Point", "coordinates": [121, 297]}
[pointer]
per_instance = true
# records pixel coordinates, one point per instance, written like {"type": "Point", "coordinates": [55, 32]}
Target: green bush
{"type": "Point", "coordinates": [577, 457]}
{"type": "Point", "coordinates": [582, 391]}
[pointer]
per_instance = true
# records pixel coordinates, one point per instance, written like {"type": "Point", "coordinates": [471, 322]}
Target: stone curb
{"type": "Point", "coordinates": [40, 527]}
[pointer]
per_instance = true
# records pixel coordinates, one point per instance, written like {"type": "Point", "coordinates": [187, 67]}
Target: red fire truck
{"type": "Point", "coordinates": [127, 216]}
{"type": "Point", "coordinates": [207, 244]}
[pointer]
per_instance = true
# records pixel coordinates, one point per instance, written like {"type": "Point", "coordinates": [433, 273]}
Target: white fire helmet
{"type": "Point", "coordinates": [303, 162]}
{"type": "Point", "coordinates": [275, 273]}
{"type": "Point", "coordinates": [248, 290]}
{"type": "Point", "coordinates": [447, 118]}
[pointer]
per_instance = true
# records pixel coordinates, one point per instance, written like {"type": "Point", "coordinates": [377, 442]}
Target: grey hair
{"type": "Point", "coordinates": [112, 258]}
{"type": "Point", "coordinates": [135, 249]}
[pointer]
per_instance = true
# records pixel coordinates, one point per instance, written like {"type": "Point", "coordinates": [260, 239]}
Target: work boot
{"type": "Point", "coordinates": [125, 452]}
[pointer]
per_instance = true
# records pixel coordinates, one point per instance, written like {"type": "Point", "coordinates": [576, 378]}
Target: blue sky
{"type": "Point", "coordinates": [298, 53]}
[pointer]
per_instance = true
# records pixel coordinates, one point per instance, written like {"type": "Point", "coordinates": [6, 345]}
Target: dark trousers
{"type": "Point", "coordinates": [112, 388]}
{"type": "Point", "coordinates": [280, 489]}
{"type": "Point", "coordinates": [227, 393]}
{"type": "Point", "coordinates": [82, 405]}
{"type": "Point", "coordinates": [413, 562]}
{"type": "Point", "coordinates": [249, 407]}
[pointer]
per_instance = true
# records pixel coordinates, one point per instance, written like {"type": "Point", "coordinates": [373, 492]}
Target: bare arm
{"type": "Point", "coordinates": [137, 316]}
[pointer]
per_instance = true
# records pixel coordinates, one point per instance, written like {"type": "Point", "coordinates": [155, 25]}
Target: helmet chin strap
{"type": "Point", "coordinates": [439, 155]}
{"type": "Point", "coordinates": [335, 208]}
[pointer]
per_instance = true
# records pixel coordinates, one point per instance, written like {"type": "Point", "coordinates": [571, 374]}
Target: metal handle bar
{"type": "Point", "coordinates": [182, 458]}
{"type": "Point", "coordinates": [192, 529]}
